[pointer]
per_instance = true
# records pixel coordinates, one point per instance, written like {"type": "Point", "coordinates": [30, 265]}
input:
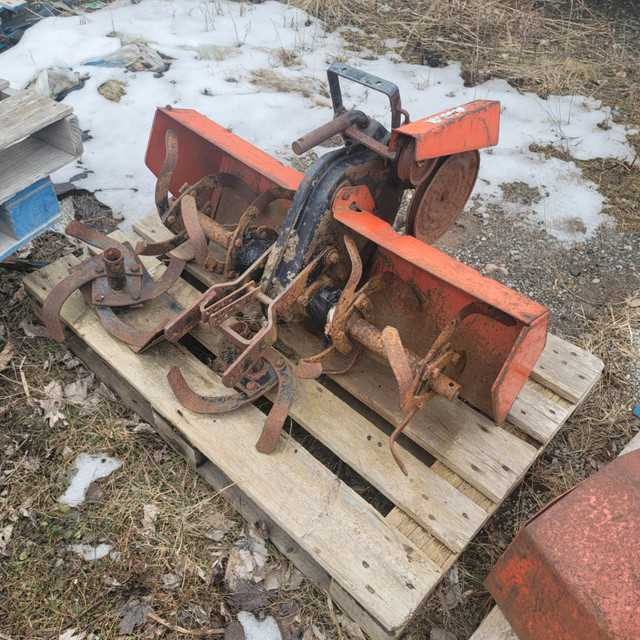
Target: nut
{"type": "Point", "coordinates": [100, 297]}
{"type": "Point", "coordinates": [99, 268]}
{"type": "Point", "coordinates": [135, 296]}
{"type": "Point", "coordinates": [279, 362]}
{"type": "Point", "coordinates": [135, 267]}
{"type": "Point", "coordinates": [345, 195]}
{"type": "Point", "coordinates": [251, 385]}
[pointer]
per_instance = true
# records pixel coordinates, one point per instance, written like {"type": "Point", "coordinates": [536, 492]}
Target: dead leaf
{"type": "Point", "coordinates": [30, 463]}
{"type": "Point", "coordinates": [285, 576]}
{"type": "Point", "coordinates": [171, 582]}
{"type": "Point", "coordinates": [52, 403]}
{"type": "Point", "coordinates": [248, 597]}
{"type": "Point", "coordinates": [150, 513]}
{"type": "Point", "coordinates": [352, 629]}
{"type": "Point", "coordinates": [440, 634]}
{"type": "Point", "coordinates": [247, 561]}
{"type": "Point", "coordinates": [5, 537]}
{"type": "Point", "coordinates": [94, 492]}
{"type": "Point", "coordinates": [215, 526]}
{"type": "Point", "coordinates": [25, 507]}
{"type": "Point", "coordinates": [33, 331]}
{"type": "Point", "coordinates": [200, 615]}
{"type": "Point", "coordinates": [133, 613]}
{"type": "Point", "coordinates": [76, 392]}
{"type": "Point", "coordinates": [235, 631]}
{"type": "Point", "coordinates": [5, 356]}
{"type": "Point", "coordinates": [143, 427]}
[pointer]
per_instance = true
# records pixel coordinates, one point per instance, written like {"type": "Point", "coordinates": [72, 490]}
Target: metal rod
{"type": "Point", "coordinates": [214, 231]}
{"type": "Point", "coordinates": [328, 130]}
{"type": "Point", "coordinates": [366, 334]}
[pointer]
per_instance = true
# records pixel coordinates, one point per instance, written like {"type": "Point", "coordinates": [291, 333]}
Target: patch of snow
{"type": "Point", "coordinates": [253, 630]}
{"type": "Point", "coordinates": [215, 49]}
{"type": "Point", "coordinates": [91, 553]}
{"type": "Point", "coordinates": [90, 468]}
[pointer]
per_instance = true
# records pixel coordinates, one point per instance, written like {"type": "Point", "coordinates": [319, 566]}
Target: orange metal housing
{"type": "Point", "coordinates": [573, 572]}
{"type": "Point", "coordinates": [205, 147]}
{"type": "Point", "coordinates": [474, 125]}
{"type": "Point", "coordinates": [499, 357]}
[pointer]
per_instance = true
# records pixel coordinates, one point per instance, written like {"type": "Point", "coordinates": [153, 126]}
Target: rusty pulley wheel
{"type": "Point", "coordinates": [410, 170]}
{"type": "Point", "coordinates": [440, 199]}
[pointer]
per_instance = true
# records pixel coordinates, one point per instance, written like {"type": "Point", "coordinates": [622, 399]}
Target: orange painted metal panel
{"type": "Point", "coordinates": [573, 571]}
{"type": "Point", "coordinates": [499, 357]}
{"type": "Point", "coordinates": [205, 147]}
{"type": "Point", "coordinates": [474, 125]}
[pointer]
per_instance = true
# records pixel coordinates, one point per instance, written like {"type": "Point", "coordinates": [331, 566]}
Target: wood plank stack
{"type": "Point", "coordinates": [37, 137]}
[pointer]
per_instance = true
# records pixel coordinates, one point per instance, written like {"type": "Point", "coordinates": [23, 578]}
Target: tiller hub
{"type": "Point", "coordinates": [320, 250]}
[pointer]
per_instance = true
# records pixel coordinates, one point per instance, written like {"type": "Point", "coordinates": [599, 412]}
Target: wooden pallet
{"type": "Point", "coordinates": [495, 626]}
{"type": "Point", "coordinates": [37, 136]}
{"type": "Point", "coordinates": [378, 567]}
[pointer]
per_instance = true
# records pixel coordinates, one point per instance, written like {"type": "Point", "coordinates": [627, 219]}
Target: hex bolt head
{"type": "Point", "coordinates": [99, 268]}
{"type": "Point", "coordinates": [279, 362]}
{"type": "Point", "coordinates": [135, 296]}
{"type": "Point", "coordinates": [171, 219]}
{"type": "Point", "coordinates": [251, 385]}
{"type": "Point", "coordinates": [100, 297]}
{"type": "Point", "coordinates": [345, 195]}
{"type": "Point", "coordinates": [238, 242]}
{"type": "Point", "coordinates": [135, 267]}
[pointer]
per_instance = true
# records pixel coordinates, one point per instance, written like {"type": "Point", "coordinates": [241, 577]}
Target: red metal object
{"type": "Point", "coordinates": [207, 148]}
{"type": "Point", "coordinates": [474, 125]}
{"type": "Point", "coordinates": [499, 354]}
{"type": "Point", "coordinates": [573, 572]}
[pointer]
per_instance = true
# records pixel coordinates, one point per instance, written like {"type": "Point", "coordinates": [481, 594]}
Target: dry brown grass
{"type": "Point", "coordinates": [542, 45]}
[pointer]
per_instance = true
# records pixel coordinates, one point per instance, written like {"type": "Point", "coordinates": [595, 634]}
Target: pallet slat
{"type": "Point", "coordinates": [27, 162]}
{"type": "Point", "coordinates": [381, 569]}
{"type": "Point", "coordinates": [566, 369]}
{"type": "Point", "coordinates": [25, 113]}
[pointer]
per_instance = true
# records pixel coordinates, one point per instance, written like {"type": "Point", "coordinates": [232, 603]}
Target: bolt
{"type": "Point", "coordinates": [345, 195]}
{"type": "Point", "coordinates": [171, 219]}
{"type": "Point", "coordinates": [251, 385]}
{"type": "Point", "coordinates": [332, 257]}
{"type": "Point", "coordinates": [135, 267]}
{"type": "Point", "coordinates": [100, 297]}
{"type": "Point", "coordinates": [99, 268]}
{"type": "Point", "coordinates": [238, 242]}
{"type": "Point", "coordinates": [135, 296]}
{"type": "Point", "coordinates": [279, 362]}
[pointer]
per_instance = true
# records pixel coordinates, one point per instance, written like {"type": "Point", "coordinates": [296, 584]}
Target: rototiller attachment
{"type": "Point", "coordinates": [320, 249]}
